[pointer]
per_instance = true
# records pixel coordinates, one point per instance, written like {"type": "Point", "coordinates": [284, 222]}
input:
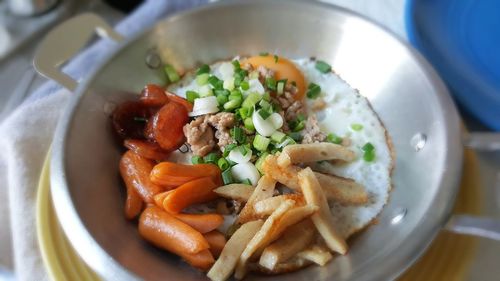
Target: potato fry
{"type": "Point", "coordinates": [267, 206]}
{"type": "Point", "coordinates": [295, 239]}
{"type": "Point", "coordinates": [323, 219]}
{"type": "Point", "coordinates": [227, 260]}
{"type": "Point", "coordinates": [290, 265]}
{"type": "Point", "coordinates": [261, 237]}
{"type": "Point", "coordinates": [317, 254]}
{"type": "Point", "coordinates": [313, 152]}
{"type": "Point", "coordinates": [342, 190]}
{"type": "Point", "coordinates": [291, 217]}
{"type": "Point", "coordinates": [263, 190]}
{"type": "Point", "coordinates": [236, 191]}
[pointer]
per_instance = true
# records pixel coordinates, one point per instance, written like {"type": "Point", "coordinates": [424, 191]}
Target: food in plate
{"type": "Point", "coordinates": [253, 164]}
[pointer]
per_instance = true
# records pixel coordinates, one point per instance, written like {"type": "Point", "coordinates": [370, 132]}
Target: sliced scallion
{"type": "Point", "coordinates": [211, 158]}
{"type": "Point", "coordinates": [368, 147]}
{"type": "Point", "coordinates": [202, 79]}
{"type": "Point", "coordinates": [232, 103]}
{"type": "Point", "coordinates": [261, 143]}
{"type": "Point", "coordinates": [236, 64]}
{"type": "Point", "coordinates": [264, 114]}
{"type": "Point", "coordinates": [238, 135]}
{"type": "Point", "coordinates": [223, 164]}
{"type": "Point", "coordinates": [172, 74]}
{"type": "Point", "coordinates": [263, 54]}
{"type": "Point", "coordinates": [244, 85]}
{"type": "Point", "coordinates": [369, 156]}
{"type": "Point", "coordinates": [191, 96]}
{"type": "Point", "coordinates": [280, 86]}
{"type": "Point", "coordinates": [227, 177]}
{"type": "Point", "coordinates": [275, 58]}
{"type": "Point", "coordinates": [278, 137]}
{"type": "Point", "coordinates": [246, 181]}
{"type": "Point", "coordinates": [313, 91]}
{"type": "Point", "coordinates": [271, 83]}
{"type": "Point", "coordinates": [228, 149]}
{"type": "Point", "coordinates": [251, 100]}
{"type": "Point", "coordinates": [222, 99]}
{"type": "Point", "coordinates": [334, 138]}
{"type": "Point", "coordinates": [197, 160]}
{"type": "Point", "coordinates": [323, 67]}
{"type": "Point", "coordinates": [248, 122]}
{"type": "Point", "coordinates": [356, 127]}
{"type": "Point", "coordinates": [265, 105]}
{"type": "Point", "coordinates": [296, 136]}
{"type": "Point", "coordinates": [215, 82]}
{"type": "Point", "coordinates": [260, 161]}
{"type": "Point", "coordinates": [203, 69]}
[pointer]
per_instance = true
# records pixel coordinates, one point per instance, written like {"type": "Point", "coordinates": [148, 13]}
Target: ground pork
{"type": "Point", "coordinates": [222, 122]}
{"type": "Point", "coordinates": [200, 136]}
{"type": "Point", "coordinates": [312, 132]}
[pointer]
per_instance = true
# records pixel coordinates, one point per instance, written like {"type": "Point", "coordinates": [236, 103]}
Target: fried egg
{"type": "Point", "coordinates": [346, 108]}
{"type": "Point", "coordinates": [346, 113]}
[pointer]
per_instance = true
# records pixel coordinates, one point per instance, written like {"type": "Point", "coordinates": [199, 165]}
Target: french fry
{"type": "Point", "coordinates": [263, 190]}
{"type": "Point", "coordinates": [225, 264]}
{"type": "Point", "coordinates": [313, 152]}
{"type": "Point", "coordinates": [290, 265]}
{"type": "Point", "coordinates": [323, 219]}
{"type": "Point", "coordinates": [339, 189]}
{"type": "Point", "coordinates": [295, 239]}
{"type": "Point", "coordinates": [261, 238]}
{"type": "Point", "coordinates": [317, 254]}
{"type": "Point", "coordinates": [235, 191]}
{"type": "Point", "coordinates": [267, 206]}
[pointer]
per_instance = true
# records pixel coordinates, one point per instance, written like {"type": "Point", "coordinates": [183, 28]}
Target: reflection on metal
{"type": "Point", "coordinates": [483, 141]}
{"type": "Point", "coordinates": [418, 141]}
{"type": "Point", "coordinates": [477, 226]}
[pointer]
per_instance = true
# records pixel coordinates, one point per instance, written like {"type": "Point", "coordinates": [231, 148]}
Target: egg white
{"type": "Point", "coordinates": [345, 106]}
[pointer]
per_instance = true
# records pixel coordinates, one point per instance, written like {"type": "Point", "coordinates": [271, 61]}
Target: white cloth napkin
{"type": "Point", "coordinates": [27, 133]}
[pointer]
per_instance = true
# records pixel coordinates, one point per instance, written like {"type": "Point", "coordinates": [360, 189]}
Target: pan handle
{"type": "Point", "coordinates": [64, 41]}
{"type": "Point", "coordinates": [474, 225]}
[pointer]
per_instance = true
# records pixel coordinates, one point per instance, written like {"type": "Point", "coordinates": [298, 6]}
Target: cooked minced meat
{"type": "Point", "coordinates": [200, 136]}
{"type": "Point", "coordinates": [222, 122]}
{"type": "Point", "coordinates": [265, 72]}
{"type": "Point", "coordinates": [312, 132]}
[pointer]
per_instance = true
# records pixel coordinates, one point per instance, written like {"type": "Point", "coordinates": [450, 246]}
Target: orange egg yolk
{"type": "Point", "coordinates": [283, 69]}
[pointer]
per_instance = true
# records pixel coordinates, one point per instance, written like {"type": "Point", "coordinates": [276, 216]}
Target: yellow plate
{"type": "Point", "coordinates": [448, 258]}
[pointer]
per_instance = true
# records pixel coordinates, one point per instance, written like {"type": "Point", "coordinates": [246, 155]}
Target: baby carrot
{"type": "Point", "coordinates": [173, 174]}
{"type": "Point", "coordinates": [202, 222]}
{"type": "Point", "coordinates": [202, 260]}
{"type": "Point", "coordinates": [193, 192]}
{"type": "Point", "coordinates": [135, 171]}
{"type": "Point", "coordinates": [158, 198]}
{"type": "Point", "coordinates": [133, 204]}
{"type": "Point", "coordinates": [165, 231]}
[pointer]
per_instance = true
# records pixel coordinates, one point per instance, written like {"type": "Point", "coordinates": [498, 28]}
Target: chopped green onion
{"type": "Point", "coordinates": [211, 158]}
{"type": "Point", "coordinates": [287, 141]}
{"type": "Point", "coordinates": [191, 96]}
{"type": "Point", "coordinates": [271, 83]}
{"type": "Point", "coordinates": [369, 156]}
{"type": "Point", "coordinates": [235, 94]}
{"type": "Point", "coordinates": [223, 164]}
{"type": "Point", "coordinates": [205, 91]}
{"type": "Point", "coordinates": [266, 96]}
{"type": "Point", "coordinates": [265, 105]}
{"type": "Point", "coordinates": [251, 100]}
{"type": "Point", "coordinates": [253, 75]}
{"type": "Point", "coordinates": [368, 147]}
{"type": "Point", "coordinates": [301, 117]}
{"type": "Point", "coordinates": [356, 127]}
{"type": "Point", "coordinates": [203, 69]}
{"type": "Point", "coordinates": [236, 64]}
{"type": "Point", "coordinates": [261, 143]}
{"type": "Point", "coordinates": [245, 85]}
{"type": "Point", "coordinates": [197, 160]}
{"type": "Point", "coordinates": [334, 139]}
{"type": "Point", "coordinates": [313, 91]}
{"type": "Point", "coordinates": [296, 136]}
{"type": "Point", "coordinates": [276, 58]}
{"type": "Point", "coordinates": [222, 92]}
{"type": "Point", "coordinates": [227, 177]}
{"type": "Point", "coordinates": [222, 99]}
{"type": "Point", "coordinates": [246, 181]}
{"type": "Point", "coordinates": [140, 119]}
{"type": "Point", "coordinates": [232, 103]}
{"type": "Point", "coordinates": [244, 112]}
{"type": "Point", "coordinates": [238, 135]}
{"type": "Point", "coordinates": [249, 124]}
{"type": "Point", "coordinates": [243, 150]}
{"type": "Point", "coordinates": [228, 84]}
{"type": "Point", "coordinates": [263, 54]}
{"type": "Point", "coordinates": [278, 137]}
{"type": "Point", "coordinates": [264, 114]}
{"type": "Point", "coordinates": [323, 67]}
{"type": "Point", "coordinates": [299, 126]}
{"type": "Point", "coordinates": [280, 86]}
{"type": "Point", "coordinates": [260, 161]}
{"type": "Point", "coordinates": [172, 74]}
{"type": "Point", "coordinates": [228, 149]}
{"type": "Point", "coordinates": [202, 79]}
{"type": "Point", "coordinates": [215, 82]}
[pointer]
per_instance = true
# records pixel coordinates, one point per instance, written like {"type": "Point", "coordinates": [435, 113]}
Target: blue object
{"type": "Point", "coordinates": [461, 38]}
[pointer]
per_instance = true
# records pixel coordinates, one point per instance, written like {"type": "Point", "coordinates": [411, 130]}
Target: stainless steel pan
{"type": "Point", "coordinates": [409, 97]}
